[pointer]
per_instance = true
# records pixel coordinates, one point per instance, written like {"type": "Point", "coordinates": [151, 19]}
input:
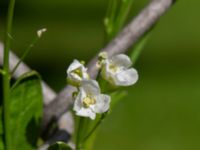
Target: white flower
{"type": "Point", "coordinates": [117, 71]}
{"type": "Point", "coordinates": [76, 73]}
{"type": "Point", "coordinates": [90, 101]}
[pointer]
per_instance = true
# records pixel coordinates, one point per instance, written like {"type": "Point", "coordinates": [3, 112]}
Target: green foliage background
{"type": "Point", "coordinates": [162, 111]}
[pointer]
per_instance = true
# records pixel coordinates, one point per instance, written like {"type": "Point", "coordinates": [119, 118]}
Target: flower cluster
{"type": "Point", "coordinates": [89, 100]}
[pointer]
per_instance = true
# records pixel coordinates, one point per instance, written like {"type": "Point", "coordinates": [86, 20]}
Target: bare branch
{"type": "Point", "coordinates": [146, 19]}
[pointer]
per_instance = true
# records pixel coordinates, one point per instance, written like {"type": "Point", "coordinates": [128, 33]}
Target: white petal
{"type": "Point", "coordinates": [90, 87]}
{"type": "Point", "coordinates": [121, 60]}
{"type": "Point", "coordinates": [126, 77]}
{"type": "Point", "coordinates": [78, 101]}
{"type": "Point", "coordinates": [86, 112]}
{"type": "Point", "coordinates": [85, 74]}
{"type": "Point", "coordinates": [102, 104]}
{"type": "Point", "coordinates": [106, 72]}
{"type": "Point", "coordinates": [74, 77]}
{"type": "Point", "coordinates": [74, 65]}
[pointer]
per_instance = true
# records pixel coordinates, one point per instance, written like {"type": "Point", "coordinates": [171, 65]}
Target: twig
{"type": "Point", "coordinates": [145, 20]}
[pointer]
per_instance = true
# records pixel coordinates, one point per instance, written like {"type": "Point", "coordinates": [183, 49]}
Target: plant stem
{"type": "Point", "coordinates": [25, 54]}
{"type": "Point", "coordinates": [95, 126]}
{"type": "Point", "coordinates": [6, 75]}
{"type": "Point", "coordinates": [137, 49]}
{"type": "Point", "coordinates": [110, 17]}
{"type": "Point", "coordinates": [122, 15]}
{"type": "Point", "coordinates": [116, 16]}
{"type": "Point", "coordinates": [78, 136]}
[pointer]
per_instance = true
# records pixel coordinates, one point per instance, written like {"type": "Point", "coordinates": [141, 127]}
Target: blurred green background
{"type": "Point", "coordinates": [162, 111]}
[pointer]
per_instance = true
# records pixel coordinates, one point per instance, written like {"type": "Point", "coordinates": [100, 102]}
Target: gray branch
{"type": "Point", "coordinates": [145, 20]}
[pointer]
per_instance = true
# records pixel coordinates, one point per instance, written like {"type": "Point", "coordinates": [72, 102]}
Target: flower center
{"type": "Point", "coordinates": [113, 68]}
{"type": "Point", "coordinates": [88, 100]}
{"type": "Point", "coordinates": [78, 72]}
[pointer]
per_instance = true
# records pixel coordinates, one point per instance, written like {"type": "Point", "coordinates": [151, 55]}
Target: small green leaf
{"type": "Point", "coordinates": [60, 146]}
{"type": "Point", "coordinates": [25, 112]}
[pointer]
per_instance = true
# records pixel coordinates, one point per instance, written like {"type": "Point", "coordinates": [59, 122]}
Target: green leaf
{"type": "Point", "coordinates": [60, 146]}
{"type": "Point", "coordinates": [25, 112]}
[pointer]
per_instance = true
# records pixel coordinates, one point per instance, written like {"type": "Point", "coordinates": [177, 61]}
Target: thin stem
{"type": "Point", "coordinates": [122, 15]}
{"type": "Point", "coordinates": [6, 76]}
{"type": "Point", "coordinates": [109, 9]}
{"type": "Point", "coordinates": [25, 54]}
{"type": "Point", "coordinates": [78, 136]}
{"type": "Point", "coordinates": [95, 127]}
{"type": "Point", "coordinates": [110, 17]}
{"type": "Point", "coordinates": [137, 49]}
{"type": "Point", "coordinates": [113, 11]}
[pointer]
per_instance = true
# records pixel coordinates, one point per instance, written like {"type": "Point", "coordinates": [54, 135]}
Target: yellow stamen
{"type": "Point", "coordinates": [88, 100]}
{"type": "Point", "coordinates": [78, 72]}
{"type": "Point", "coordinates": [113, 68]}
